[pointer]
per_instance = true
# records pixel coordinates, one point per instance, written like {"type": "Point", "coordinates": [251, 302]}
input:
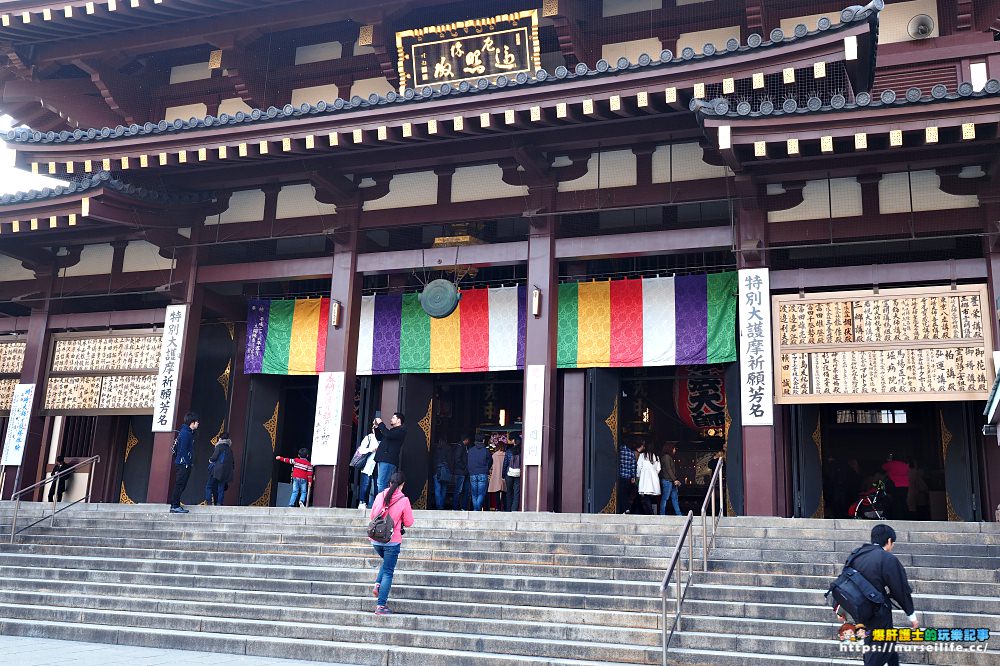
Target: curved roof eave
{"type": "Point", "coordinates": [756, 55]}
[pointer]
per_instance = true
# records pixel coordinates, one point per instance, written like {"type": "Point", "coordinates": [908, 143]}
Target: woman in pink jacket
{"type": "Point", "coordinates": [402, 516]}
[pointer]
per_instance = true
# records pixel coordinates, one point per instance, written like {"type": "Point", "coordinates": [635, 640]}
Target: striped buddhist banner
{"type": "Point", "coordinates": [689, 320]}
{"type": "Point", "coordinates": [485, 333]}
{"type": "Point", "coordinates": [286, 337]}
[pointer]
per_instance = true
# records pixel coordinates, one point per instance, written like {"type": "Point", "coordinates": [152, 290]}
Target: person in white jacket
{"type": "Point", "coordinates": [368, 446]}
{"type": "Point", "coordinates": [649, 479]}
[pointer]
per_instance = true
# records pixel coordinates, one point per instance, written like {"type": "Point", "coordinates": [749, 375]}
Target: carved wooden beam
{"type": "Point", "coordinates": [567, 16]}
{"type": "Point", "coordinates": [15, 63]}
{"type": "Point", "coordinates": [127, 96]}
{"type": "Point", "coordinates": [246, 66]}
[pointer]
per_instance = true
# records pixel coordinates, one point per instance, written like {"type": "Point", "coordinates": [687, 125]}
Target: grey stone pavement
{"type": "Point", "coordinates": [19, 651]}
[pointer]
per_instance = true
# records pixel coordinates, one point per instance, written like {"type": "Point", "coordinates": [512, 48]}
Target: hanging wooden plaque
{"type": "Point", "coordinates": [919, 344]}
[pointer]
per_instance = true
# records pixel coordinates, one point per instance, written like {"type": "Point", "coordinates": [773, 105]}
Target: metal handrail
{"type": "Point", "coordinates": [44, 482]}
{"type": "Point", "coordinates": [680, 592]}
{"type": "Point", "coordinates": [708, 505]}
{"type": "Point", "coordinates": [716, 516]}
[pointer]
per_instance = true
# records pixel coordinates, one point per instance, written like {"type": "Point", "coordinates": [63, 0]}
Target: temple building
{"type": "Point", "coordinates": [760, 230]}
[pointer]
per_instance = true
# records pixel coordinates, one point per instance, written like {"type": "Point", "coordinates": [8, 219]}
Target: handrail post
{"type": "Point", "coordinates": [680, 574]}
{"type": "Point", "coordinates": [13, 522]}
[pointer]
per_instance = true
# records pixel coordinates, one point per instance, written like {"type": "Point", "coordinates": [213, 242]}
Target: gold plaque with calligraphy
{"type": "Point", "coordinates": [927, 343]}
{"type": "Point", "coordinates": [468, 50]}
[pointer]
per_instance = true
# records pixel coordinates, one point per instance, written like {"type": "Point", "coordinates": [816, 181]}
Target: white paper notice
{"type": "Point", "coordinates": [329, 410]}
{"type": "Point", "coordinates": [534, 408]}
{"type": "Point", "coordinates": [165, 390]}
{"type": "Point", "coordinates": [17, 426]}
{"type": "Point", "coordinates": [756, 375]}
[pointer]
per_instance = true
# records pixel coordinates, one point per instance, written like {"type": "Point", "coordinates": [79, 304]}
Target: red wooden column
{"type": "Point", "coordinates": [760, 449]}
{"type": "Point", "coordinates": [191, 294]}
{"type": "Point", "coordinates": [540, 349]}
{"type": "Point", "coordinates": [333, 481]}
{"type": "Point", "coordinates": [36, 355]}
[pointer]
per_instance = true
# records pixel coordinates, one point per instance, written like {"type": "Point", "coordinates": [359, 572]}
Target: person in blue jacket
{"type": "Point", "coordinates": [183, 459]}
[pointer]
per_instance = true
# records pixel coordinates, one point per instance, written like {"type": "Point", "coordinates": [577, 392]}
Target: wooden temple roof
{"type": "Point", "coordinates": [659, 83]}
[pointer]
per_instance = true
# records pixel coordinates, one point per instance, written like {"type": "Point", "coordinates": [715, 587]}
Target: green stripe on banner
{"type": "Point", "coordinates": [723, 290]}
{"type": "Point", "coordinates": [414, 337]}
{"type": "Point", "coordinates": [279, 338]}
{"type": "Point", "coordinates": [568, 324]}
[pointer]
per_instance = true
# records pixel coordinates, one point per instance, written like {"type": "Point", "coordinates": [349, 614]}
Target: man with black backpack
{"type": "Point", "coordinates": [882, 578]}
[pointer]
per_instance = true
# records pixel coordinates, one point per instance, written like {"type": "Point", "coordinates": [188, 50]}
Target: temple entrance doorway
{"type": "Point", "coordinates": [893, 461]}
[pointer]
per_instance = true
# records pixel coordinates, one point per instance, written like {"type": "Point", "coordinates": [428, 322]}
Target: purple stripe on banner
{"type": "Point", "coordinates": [387, 324]}
{"type": "Point", "coordinates": [257, 315]}
{"type": "Point", "coordinates": [691, 317]}
{"type": "Point", "coordinates": [522, 323]}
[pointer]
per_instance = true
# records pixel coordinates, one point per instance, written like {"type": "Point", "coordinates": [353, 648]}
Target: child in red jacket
{"type": "Point", "coordinates": [302, 477]}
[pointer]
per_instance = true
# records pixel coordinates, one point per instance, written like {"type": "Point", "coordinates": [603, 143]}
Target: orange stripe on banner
{"type": "Point", "coordinates": [446, 343]}
{"type": "Point", "coordinates": [305, 337]}
{"type": "Point", "coordinates": [593, 324]}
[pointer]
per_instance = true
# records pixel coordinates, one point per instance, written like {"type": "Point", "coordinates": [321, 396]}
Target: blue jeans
{"type": "Point", "coordinates": [480, 482]}
{"type": "Point", "coordinates": [366, 482]}
{"type": "Point", "coordinates": [385, 470]}
{"type": "Point", "coordinates": [214, 491]}
{"type": "Point", "coordinates": [670, 492]}
{"type": "Point", "coordinates": [458, 502]}
{"type": "Point", "coordinates": [299, 490]}
{"type": "Point", "coordinates": [440, 491]}
{"type": "Point", "coordinates": [389, 552]}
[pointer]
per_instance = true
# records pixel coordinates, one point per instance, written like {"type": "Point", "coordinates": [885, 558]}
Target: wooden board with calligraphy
{"type": "Point", "coordinates": [469, 50]}
{"type": "Point", "coordinates": [11, 360]}
{"type": "Point", "coordinates": [927, 343]}
{"type": "Point", "coordinates": [103, 374]}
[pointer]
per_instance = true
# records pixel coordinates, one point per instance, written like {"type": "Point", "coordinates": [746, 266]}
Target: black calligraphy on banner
{"type": "Point", "coordinates": [165, 389]}
{"type": "Point", "coordinates": [700, 398]}
{"type": "Point", "coordinates": [468, 50]}
{"type": "Point", "coordinates": [755, 347]}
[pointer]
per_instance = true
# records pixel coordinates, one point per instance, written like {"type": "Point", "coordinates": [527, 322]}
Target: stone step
{"type": "Point", "coordinates": [362, 550]}
{"type": "Point", "coordinates": [811, 648]}
{"type": "Point", "coordinates": [783, 556]}
{"type": "Point", "coordinates": [359, 653]}
{"type": "Point", "coordinates": [751, 594]}
{"type": "Point", "coordinates": [213, 589]}
{"type": "Point", "coordinates": [374, 632]}
{"type": "Point", "coordinates": [822, 582]}
{"type": "Point", "coordinates": [832, 570]}
{"type": "Point", "coordinates": [860, 535]}
{"type": "Point", "coordinates": [130, 571]}
{"type": "Point", "coordinates": [571, 629]}
{"type": "Point", "coordinates": [842, 546]}
{"type": "Point", "coordinates": [315, 543]}
{"type": "Point", "coordinates": [737, 611]}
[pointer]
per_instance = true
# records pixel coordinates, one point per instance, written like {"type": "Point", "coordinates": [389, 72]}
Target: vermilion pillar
{"type": "Point", "coordinates": [540, 349]}
{"type": "Point", "coordinates": [333, 481]}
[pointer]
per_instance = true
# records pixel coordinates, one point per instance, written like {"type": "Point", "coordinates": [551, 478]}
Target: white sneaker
{"type": "Point", "coordinates": [362, 505]}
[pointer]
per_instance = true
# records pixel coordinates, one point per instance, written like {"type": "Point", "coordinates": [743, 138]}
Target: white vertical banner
{"type": "Point", "coordinates": [329, 410]}
{"type": "Point", "coordinates": [534, 412]}
{"type": "Point", "coordinates": [17, 425]}
{"type": "Point", "coordinates": [165, 390]}
{"type": "Point", "coordinates": [756, 363]}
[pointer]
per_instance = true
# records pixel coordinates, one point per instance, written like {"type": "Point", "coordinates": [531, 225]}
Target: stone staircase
{"type": "Point", "coordinates": [479, 589]}
{"type": "Point", "coordinates": [762, 602]}
{"type": "Point", "coordinates": [470, 589]}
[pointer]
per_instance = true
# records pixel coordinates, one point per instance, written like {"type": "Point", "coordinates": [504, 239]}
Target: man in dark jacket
{"type": "Point", "coordinates": [390, 445]}
{"type": "Point", "coordinates": [880, 567]}
{"type": "Point", "coordinates": [480, 462]}
{"type": "Point", "coordinates": [183, 459]}
{"type": "Point", "coordinates": [220, 470]}
{"type": "Point", "coordinates": [60, 466]}
{"type": "Point", "coordinates": [460, 473]}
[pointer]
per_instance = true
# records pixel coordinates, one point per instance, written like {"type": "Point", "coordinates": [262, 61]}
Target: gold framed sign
{"type": "Point", "coordinates": [919, 344]}
{"type": "Point", "coordinates": [468, 50]}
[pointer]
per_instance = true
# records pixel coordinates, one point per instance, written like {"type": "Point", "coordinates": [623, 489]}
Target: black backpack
{"type": "Point", "coordinates": [855, 594]}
